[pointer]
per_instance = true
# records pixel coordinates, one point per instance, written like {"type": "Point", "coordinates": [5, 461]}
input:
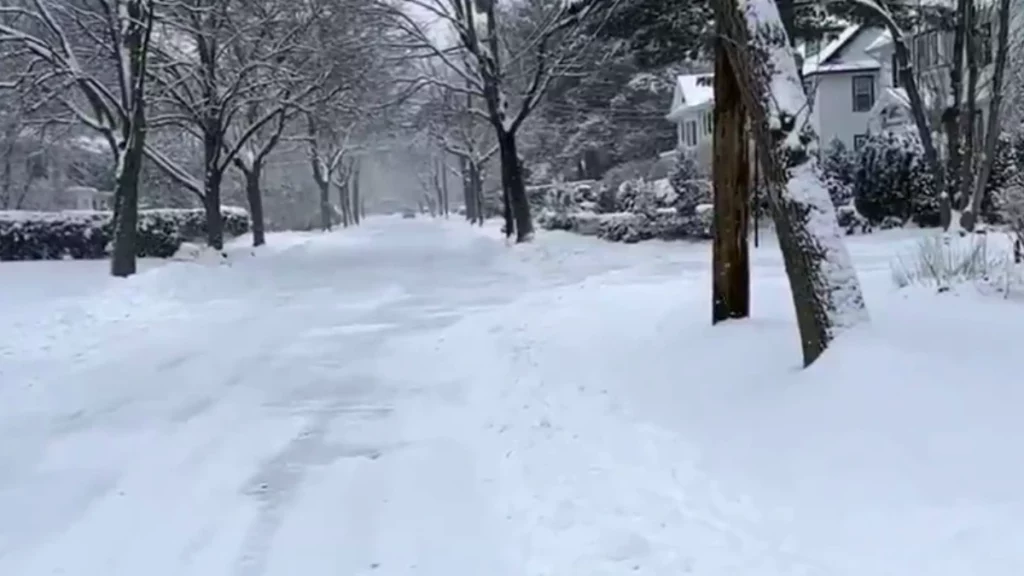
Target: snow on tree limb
{"type": "Point", "coordinates": [826, 291]}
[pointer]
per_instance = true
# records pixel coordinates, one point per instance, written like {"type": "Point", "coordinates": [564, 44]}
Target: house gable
{"type": "Point", "coordinates": [847, 53]}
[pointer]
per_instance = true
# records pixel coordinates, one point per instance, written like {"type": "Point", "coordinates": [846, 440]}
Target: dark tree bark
{"type": "Point", "coordinates": [970, 216]}
{"type": "Point", "coordinates": [967, 131]}
{"type": "Point", "coordinates": [126, 195]}
{"type": "Point", "coordinates": [255, 198]}
{"type": "Point", "coordinates": [826, 292]}
{"type": "Point", "coordinates": [357, 199]}
{"type": "Point", "coordinates": [518, 206]}
{"type": "Point", "coordinates": [951, 116]}
{"type": "Point", "coordinates": [730, 287]}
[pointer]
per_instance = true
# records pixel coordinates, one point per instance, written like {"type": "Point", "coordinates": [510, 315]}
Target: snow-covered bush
{"type": "Point", "coordinates": [838, 167]}
{"type": "Point", "coordinates": [605, 199]}
{"type": "Point", "coordinates": [643, 197]}
{"type": "Point", "coordinates": [87, 234]}
{"type": "Point", "coordinates": [690, 186]}
{"type": "Point", "coordinates": [662, 224]}
{"type": "Point", "coordinates": [942, 261]}
{"type": "Point", "coordinates": [892, 181]}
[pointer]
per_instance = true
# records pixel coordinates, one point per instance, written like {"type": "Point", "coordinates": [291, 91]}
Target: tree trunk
{"type": "Point", "coordinates": [444, 185]}
{"type": "Point", "coordinates": [951, 117]}
{"type": "Point", "coordinates": [467, 193]}
{"type": "Point", "coordinates": [826, 292]}
{"type": "Point", "coordinates": [122, 261]}
{"type": "Point", "coordinates": [356, 198]}
{"type": "Point", "coordinates": [255, 198]}
{"type": "Point", "coordinates": [214, 222]}
{"type": "Point", "coordinates": [967, 132]}
{"type": "Point", "coordinates": [730, 287]}
{"type": "Point", "coordinates": [517, 204]}
{"type": "Point", "coordinates": [995, 104]}
{"type": "Point", "coordinates": [325, 205]}
{"type": "Point", "coordinates": [478, 192]}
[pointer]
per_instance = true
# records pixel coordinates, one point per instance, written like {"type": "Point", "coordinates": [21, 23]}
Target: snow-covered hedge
{"type": "Point", "coordinates": [629, 227]}
{"type": "Point", "coordinates": [638, 210]}
{"type": "Point", "coordinates": [83, 234]}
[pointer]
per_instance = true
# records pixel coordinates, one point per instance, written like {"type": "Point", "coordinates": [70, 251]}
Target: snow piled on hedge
{"type": "Point", "coordinates": [86, 234]}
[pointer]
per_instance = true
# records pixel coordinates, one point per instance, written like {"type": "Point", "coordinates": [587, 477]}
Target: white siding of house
{"type": "Point", "coordinates": [834, 115]}
{"type": "Point", "coordinates": [833, 112]}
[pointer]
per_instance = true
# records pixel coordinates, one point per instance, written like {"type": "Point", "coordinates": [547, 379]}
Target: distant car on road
{"type": "Point", "coordinates": [407, 213]}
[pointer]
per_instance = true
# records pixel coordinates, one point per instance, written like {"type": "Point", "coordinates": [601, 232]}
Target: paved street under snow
{"type": "Point", "coordinates": [417, 398]}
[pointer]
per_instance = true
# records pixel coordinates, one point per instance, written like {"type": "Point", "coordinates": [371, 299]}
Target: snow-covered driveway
{"type": "Point", "coordinates": [415, 398]}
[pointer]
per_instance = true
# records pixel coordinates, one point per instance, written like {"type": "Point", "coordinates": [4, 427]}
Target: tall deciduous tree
{"type": "Point", "coordinates": [91, 57]}
{"type": "Point", "coordinates": [217, 58]}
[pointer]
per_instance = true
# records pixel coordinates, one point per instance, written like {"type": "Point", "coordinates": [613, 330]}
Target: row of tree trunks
{"type": "Point", "coordinates": [825, 288]}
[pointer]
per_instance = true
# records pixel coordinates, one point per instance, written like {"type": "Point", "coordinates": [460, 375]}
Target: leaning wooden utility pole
{"type": "Point", "coordinates": [730, 260]}
{"type": "Point", "coordinates": [826, 292]}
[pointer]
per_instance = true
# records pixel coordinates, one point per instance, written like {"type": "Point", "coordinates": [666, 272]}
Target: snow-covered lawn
{"type": "Point", "coordinates": [416, 397]}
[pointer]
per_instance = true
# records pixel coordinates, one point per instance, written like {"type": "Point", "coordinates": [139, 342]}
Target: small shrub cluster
{"type": "Point", "coordinates": [85, 235]}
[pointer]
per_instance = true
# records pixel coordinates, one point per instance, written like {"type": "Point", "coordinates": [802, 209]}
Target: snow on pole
{"type": "Point", "coordinates": [826, 291]}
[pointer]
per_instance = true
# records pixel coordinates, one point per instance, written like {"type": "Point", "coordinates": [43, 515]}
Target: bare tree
{"type": "Point", "coordinates": [487, 59]}
{"type": "Point", "coordinates": [826, 291]}
{"type": "Point", "coordinates": [91, 57]}
{"type": "Point", "coordinates": [226, 62]}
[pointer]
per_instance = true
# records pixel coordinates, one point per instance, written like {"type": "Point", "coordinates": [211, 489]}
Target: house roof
{"type": "Point", "coordinates": [821, 63]}
{"type": "Point", "coordinates": [696, 89]}
{"type": "Point", "coordinates": [884, 39]}
{"type": "Point", "coordinates": [693, 90]}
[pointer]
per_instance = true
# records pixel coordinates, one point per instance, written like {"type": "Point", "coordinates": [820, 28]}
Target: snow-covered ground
{"type": "Point", "coordinates": [416, 397]}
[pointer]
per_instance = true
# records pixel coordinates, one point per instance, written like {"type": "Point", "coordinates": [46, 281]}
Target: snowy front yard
{"type": "Point", "coordinates": [416, 397]}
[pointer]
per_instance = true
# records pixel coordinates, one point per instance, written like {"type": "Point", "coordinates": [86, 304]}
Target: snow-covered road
{"type": "Point", "coordinates": [233, 420]}
{"type": "Point", "coordinates": [416, 398]}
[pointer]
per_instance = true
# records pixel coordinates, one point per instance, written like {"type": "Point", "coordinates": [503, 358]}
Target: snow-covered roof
{"type": "Point", "coordinates": [854, 66]}
{"type": "Point", "coordinates": [692, 90]}
{"type": "Point", "coordinates": [884, 39]}
{"type": "Point", "coordinates": [696, 89]}
{"type": "Point", "coordinates": [820, 62]}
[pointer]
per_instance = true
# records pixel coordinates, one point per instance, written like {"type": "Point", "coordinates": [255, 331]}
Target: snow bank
{"type": "Point", "coordinates": [623, 434]}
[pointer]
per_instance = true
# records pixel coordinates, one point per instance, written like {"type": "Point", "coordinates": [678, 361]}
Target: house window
{"type": "Point", "coordinates": [691, 133]}
{"type": "Point", "coordinates": [709, 123]}
{"type": "Point", "coordinates": [984, 44]}
{"type": "Point", "coordinates": [858, 141]}
{"type": "Point", "coordinates": [863, 92]}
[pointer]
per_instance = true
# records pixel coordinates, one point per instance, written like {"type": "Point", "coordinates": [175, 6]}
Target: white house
{"type": "Point", "coordinates": [693, 101]}
{"type": "Point", "coordinates": [842, 78]}
{"type": "Point", "coordinates": [852, 84]}
{"type": "Point", "coordinates": [843, 82]}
